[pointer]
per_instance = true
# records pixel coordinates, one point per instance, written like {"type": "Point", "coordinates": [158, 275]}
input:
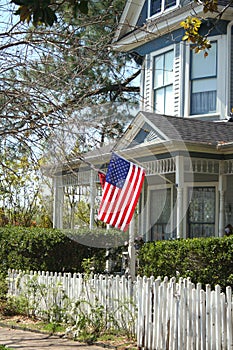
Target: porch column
{"type": "Point", "coordinates": [222, 189]}
{"type": "Point", "coordinates": [58, 200]}
{"type": "Point", "coordinates": [131, 249]}
{"type": "Point", "coordinates": [180, 195]}
{"type": "Point", "coordinates": [92, 199]}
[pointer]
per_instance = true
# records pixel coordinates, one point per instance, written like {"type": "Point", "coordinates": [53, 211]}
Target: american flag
{"type": "Point", "coordinates": [121, 192]}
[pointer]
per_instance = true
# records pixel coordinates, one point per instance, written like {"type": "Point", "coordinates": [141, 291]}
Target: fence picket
{"type": "Point", "coordinates": [169, 315]}
{"type": "Point", "coordinates": [229, 318]}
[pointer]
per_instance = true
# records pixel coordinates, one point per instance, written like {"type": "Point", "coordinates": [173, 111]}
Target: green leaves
{"type": "Point", "coordinates": [43, 12]}
{"type": "Point", "coordinates": [204, 260]}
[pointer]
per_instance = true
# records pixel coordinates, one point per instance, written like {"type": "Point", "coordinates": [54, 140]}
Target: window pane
{"type": "Point", "coordinates": [159, 100]}
{"type": "Point", "coordinates": [169, 3]}
{"type": "Point", "coordinates": [168, 108]}
{"type": "Point", "coordinates": [203, 102]}
{"type": "Point", "coordinates": [160, 213]}
{"type": "Point", "coordinates": [204, 66]}
{"type": "Point", "coordinates": [158, 71]}
{"type": "Point", "coordinates": [201, 85]}
{"type": "Point", "coordinates": [155, 6]}
{"type": "Point", "coordinates": [168, 68]}
{"type": "Point", "coordinates": [201, 214]}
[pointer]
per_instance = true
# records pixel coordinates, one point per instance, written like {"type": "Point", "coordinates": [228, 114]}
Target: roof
{"type": "Point", "coordinates": [100, 151]}
{"type": "Point", "coordinates": [188, 129]}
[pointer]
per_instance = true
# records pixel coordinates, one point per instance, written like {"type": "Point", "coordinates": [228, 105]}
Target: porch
{"type": "Point", "coordinates": [183, 195]}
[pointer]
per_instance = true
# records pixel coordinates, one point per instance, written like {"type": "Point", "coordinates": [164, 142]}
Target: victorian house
{"type": "Point", "coordinates": [183, 135]}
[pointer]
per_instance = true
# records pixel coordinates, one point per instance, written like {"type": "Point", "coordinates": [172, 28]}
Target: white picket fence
{"type": "Point", "coordinates": [163, 314]}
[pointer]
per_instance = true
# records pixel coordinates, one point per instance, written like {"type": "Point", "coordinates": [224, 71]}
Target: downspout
{"type": "Point", "coordinates": [228, 70]}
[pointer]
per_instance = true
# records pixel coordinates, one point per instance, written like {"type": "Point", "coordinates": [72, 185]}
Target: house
{"type": "Point", "coordinates": [183, 135]}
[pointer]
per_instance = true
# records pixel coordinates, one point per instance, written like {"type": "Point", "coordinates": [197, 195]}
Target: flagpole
{"type": "Point", "coordinates": [131, 249]}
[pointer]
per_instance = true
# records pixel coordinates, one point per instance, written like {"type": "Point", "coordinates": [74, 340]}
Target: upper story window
{"type": "Point", "coordinates": [163, 83]}
{"type": "Point", "coordinates": [203, 76]}
{"type": "Point", "coordinates": [158, 6]}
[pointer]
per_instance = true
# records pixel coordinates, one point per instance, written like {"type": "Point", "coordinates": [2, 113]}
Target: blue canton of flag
{"type": "Point", "coordinates": [117, 171]}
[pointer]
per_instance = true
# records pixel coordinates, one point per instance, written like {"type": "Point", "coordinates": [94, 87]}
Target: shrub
{"type": "Point", "coordinates": [44, 249]}
{"type": "Point", "coordinates": [204, 260]}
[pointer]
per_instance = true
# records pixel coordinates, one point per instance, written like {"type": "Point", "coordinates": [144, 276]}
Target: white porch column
{"type": "Point", "coordinates": [92, 199]}
{"type": "Point", "coordinates": [180, 195]}
{"type": "Point", "coordinates": [222, 189]}
{"type": "Point", "coordinates": [131, 249]}
{"type": "Point", "coordinates": [58, 200]}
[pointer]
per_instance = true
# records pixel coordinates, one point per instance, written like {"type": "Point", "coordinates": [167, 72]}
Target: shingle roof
{"type": "Point", "coordinates": [97, 152]}
{"type": "Point", "coordinates": [187, 129]}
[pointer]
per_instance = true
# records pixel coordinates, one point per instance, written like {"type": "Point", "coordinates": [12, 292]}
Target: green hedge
{"type": "Point", "coordinates": [45, 249]}
{"type": "Point", "coordinates": [204, 260]}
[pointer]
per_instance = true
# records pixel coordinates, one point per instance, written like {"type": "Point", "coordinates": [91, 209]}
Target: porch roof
{"type": "Point", "coordinates": [192, 130]}
{"type": "Point", "coordinates": [178, 134]}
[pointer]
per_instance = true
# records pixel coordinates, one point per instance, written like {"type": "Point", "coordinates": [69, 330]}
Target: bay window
{"type": "Point", "coordinates": [203, 77]}
{"type": "Point", "coordinates": [163, 83]}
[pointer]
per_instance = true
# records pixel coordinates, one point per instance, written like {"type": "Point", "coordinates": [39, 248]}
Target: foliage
{"type": "Point", "coordinates": [44, 12]}
{"type": "Point", "coordinates": [19, 186]}
{"type": "Point", "coordinates": [192, 25]}
{"type": "Point", "coordinates": [44, 249]}
{"type": "Point", "coordinates": [192, 35]}
{"type": "Point", "coordinates": [204, 260]}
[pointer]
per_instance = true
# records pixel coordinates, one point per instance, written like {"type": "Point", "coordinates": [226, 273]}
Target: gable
{"type": "Point", "coordinates": [140, 133]}
{"type": "Point", "coordinates": [146, 134]}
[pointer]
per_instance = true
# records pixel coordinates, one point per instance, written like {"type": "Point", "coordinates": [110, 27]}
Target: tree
{"type": "Point", "coordinates": [44, 11]}
{"type": "Point", "coordinates": [49, 74]}
{"type": "Point", "coordinates": [19, 187]}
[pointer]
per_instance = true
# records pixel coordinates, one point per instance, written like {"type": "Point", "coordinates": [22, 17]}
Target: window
{"type": "Point", "coordinates": [204, 82]}
{"type": "Point", "coordinates": [160, 212]}
{"type": "Point", "coordinates": [163, 83]}
{"type": "Point", "coordinates": [201, 214]}
{"type": "Point", "coordinates": [157, 6]}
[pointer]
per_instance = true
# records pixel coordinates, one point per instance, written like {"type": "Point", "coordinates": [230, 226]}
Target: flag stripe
{"type": "Point", "coordinates": [129, 194]}
{"type": "Point", "coordinates": [129, 204]}
{"type": "Point", "coordinates": [133, 203]}
{"type": "Point", "coordinates": [108, 213]}
{"type": "Point", "coordinates": [106, 201]}
{"type": "Point", "coordinates": [123, 197]}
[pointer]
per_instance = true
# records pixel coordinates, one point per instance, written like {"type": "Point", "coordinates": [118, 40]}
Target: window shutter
{"type": "Point", "coordinates": [231, 71]}
{"type": "Point", "coordinates": [148, 84]}
{"type": "Point", "coordinates": [177, 80]}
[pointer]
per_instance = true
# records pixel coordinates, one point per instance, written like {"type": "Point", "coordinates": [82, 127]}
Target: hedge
{"type": "Point", "coordinates": [45, 249]}
{"type": "Point", "coordinates": [204, 260]}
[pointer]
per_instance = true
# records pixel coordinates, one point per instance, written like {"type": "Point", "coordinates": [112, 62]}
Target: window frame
{"type": "Point", "coordinates": [222, 78]}
{"type": "Point", "coordinates": [150, 220]}
{"type": "Point", "coordinates": [162, 53]}
{"type": "Point", "coordinates": [163, 8]}
{"type": "Point", "coordinates": [198, 79]}
{"type": "Point", "coordinates": [189, 185]}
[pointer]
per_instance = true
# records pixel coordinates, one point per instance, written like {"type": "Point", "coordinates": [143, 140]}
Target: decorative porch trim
{"type": "Point", "coordinates": [161, 166]}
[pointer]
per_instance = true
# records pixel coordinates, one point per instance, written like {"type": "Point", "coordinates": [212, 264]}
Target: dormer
{"type": "Point", "coordinates": [174, 80]}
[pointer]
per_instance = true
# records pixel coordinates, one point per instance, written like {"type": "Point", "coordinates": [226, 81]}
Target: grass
{"type": "Point", "coordinates": [110, 338]}
{"type": "Point", "coordinates": [33, 324]}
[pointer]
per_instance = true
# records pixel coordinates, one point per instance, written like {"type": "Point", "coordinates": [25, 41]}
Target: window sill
{"type": "Point", "coordinates": [211, 116]}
